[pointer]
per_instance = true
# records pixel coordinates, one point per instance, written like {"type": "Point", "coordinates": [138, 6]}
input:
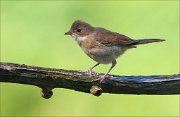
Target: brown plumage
{"type": "Point", "coordinates": [107, 37]}
{"type": "Point", "coordinates": [102, 45]}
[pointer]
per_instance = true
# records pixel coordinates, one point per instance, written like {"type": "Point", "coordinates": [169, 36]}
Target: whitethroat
{"type": "Point", "coordinates": [102, 45]}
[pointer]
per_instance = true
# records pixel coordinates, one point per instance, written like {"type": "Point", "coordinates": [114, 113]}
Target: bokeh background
{"type": "Point", "coordinates": [32, 33]}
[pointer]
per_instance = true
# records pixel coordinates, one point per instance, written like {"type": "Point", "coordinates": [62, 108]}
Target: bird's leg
{"type": "Point", "coordinates": [104, 76]}
{"type": "Point", "coordinates": [90, 69]}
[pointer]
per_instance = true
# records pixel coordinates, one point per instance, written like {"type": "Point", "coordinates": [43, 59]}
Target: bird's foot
{"type": "Point", "coordinates": [91, 73]}
{"type": "Point", "coordinates": [101, 79]}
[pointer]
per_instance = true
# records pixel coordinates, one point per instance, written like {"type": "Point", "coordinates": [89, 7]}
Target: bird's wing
{"type": "Point", "coordinates": [106, 37]}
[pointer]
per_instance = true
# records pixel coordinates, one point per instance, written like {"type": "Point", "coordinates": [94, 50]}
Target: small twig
{"type": "Point", "coordinates": [48, 78]}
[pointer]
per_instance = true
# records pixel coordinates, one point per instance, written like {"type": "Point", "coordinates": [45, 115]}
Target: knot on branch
{"type": "Point", "coordinates": [46, 93]}
{"type": "Point", "coordinates": [96, 91]}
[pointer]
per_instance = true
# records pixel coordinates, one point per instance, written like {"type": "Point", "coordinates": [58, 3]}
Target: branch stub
{"type": "Point", "coordinates": [96, 91]}
{"type": "Point", "coordinates": [46, 93]}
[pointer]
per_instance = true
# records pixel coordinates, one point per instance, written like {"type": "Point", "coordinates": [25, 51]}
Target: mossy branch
{"type": "Point", "coordinates": [48, 79]}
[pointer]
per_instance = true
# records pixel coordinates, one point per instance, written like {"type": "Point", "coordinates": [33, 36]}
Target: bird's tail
{"type": "Point", "coordinates": [145, 41]}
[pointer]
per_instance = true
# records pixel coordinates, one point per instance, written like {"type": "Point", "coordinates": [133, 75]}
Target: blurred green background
{"type": "Point", "coordinates": [32, 33]}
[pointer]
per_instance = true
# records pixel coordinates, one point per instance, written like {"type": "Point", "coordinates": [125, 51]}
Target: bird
{"type": "Point", "coordinates": [102, 45]}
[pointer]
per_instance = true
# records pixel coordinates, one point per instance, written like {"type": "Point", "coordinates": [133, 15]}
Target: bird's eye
{"type": "Point", "coordinates": [78, 30]}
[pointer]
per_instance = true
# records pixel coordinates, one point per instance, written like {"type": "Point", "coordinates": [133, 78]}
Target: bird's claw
{"type": "Point", "coordinates": [101, 79]}
{"type": "Point", "coordinates": [91, 73]}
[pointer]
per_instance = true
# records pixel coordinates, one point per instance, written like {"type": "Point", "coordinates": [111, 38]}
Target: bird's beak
{"type": "Point", "coordinates": [68, 33]}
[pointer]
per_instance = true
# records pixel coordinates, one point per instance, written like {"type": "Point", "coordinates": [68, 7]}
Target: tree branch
{"type": "Point", "coordinates": [48, 78]}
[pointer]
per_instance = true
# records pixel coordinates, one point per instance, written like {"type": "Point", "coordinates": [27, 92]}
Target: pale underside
{"type": "Point", "coordinates": [106, 54]}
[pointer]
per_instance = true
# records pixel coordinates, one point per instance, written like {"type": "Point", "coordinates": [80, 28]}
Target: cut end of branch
{"type": "Point", "coordinates": [96, 91]}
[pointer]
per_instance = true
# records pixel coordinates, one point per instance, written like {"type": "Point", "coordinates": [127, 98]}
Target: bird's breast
{"type": "Point", "coordinates": [87, 43]}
